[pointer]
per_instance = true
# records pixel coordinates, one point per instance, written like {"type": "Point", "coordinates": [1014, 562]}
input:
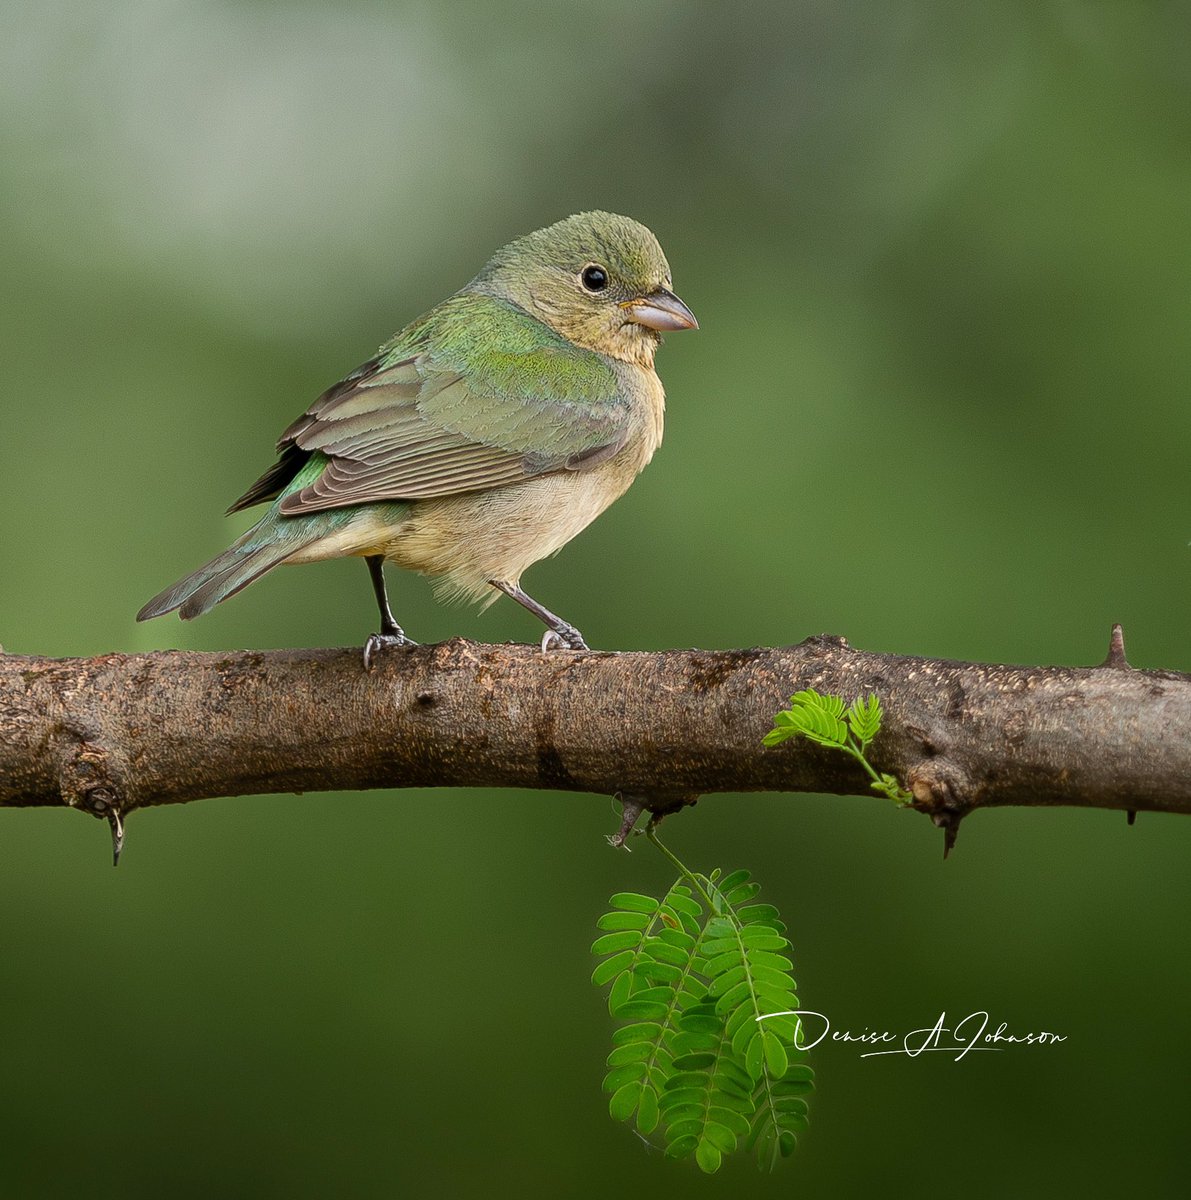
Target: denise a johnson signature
{"type": "Point", "coordinates": [970, 1034]}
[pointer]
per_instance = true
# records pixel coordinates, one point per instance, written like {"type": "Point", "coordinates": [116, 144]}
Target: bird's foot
{"type": "Point", "coordinates": [389, 640]}
{"type": "Point", "coordinates": [565, 637]}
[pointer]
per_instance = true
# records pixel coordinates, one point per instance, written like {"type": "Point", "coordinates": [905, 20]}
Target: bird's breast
{"type": "Point", "coordinates": [649, 409]}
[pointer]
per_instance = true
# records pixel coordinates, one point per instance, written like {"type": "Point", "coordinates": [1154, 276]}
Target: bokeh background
{"type": "Point", "coordinates": [941, 256]}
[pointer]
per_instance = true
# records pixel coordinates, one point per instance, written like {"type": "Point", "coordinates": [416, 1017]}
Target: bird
{"type": "Point", "coordinates": [480, 438]}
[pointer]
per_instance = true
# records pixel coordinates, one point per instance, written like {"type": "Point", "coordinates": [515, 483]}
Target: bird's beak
{"type": "Point", "coordinates": [660, 310]}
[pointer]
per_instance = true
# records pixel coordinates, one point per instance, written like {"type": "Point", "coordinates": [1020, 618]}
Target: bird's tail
{"type": "Point", "coordinates": [260, 549]}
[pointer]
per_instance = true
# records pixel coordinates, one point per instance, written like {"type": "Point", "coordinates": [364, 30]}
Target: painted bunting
{"type": "Point", "coordinates": [482, 437]}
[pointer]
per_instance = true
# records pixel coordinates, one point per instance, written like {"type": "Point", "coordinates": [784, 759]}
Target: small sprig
{"type": "Point", "coordinates": [829, 722]}
{"type": "Point", "coordinates": [700, 982]}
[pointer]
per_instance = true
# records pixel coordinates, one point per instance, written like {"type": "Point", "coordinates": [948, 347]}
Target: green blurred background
{"type": "Point", "coordinates": [938, 404]}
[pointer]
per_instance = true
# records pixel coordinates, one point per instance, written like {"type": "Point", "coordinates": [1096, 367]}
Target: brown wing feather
{"type": "Point", "coordinates": [380, 447]}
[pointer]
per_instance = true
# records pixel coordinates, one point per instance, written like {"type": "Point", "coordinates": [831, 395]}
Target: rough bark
{"type": "Point", "coordinates": [119, 732]}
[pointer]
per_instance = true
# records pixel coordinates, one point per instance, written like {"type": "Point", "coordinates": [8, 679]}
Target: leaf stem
{"type": "Point", "coordinates": [858, 755]}
{"type": "Point", "coordinates": [683, 870]}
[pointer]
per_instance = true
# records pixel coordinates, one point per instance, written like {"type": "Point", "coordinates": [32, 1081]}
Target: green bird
{"type": "Point", "coordinates": [481, 438]}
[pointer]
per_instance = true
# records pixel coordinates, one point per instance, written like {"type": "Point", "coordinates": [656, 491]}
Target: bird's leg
{"type": "Point", "coordinates": [559, 632]}
{"type": "Point", "coordinates": [388, 623]}
{"type": "Point", "coordinates": [391, 634]}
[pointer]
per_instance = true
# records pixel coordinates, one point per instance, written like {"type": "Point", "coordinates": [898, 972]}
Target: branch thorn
{"type": "Point", "coordinates": [631, 810]}
{"type": "Point", "coordinates": [948, 821]}
{"type": "Point", "coordinates": [1116, 659]}
{"type": "Point", "coordinates": [102, 802]}
{"type": "Point", "coordinates": [117, 825]}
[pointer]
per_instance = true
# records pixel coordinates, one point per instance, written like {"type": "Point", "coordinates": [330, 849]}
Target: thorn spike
{"type": "Point", "coordinates": [117, 834]}
{"type": "Point", "coordinates": [1116, 650]}
{"type": "Point", "coordinates": [950, 824]}
{"type": "Point", "coordinates": [631, 810]}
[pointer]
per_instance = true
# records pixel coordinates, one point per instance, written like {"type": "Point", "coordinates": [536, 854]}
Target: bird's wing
{"type": "Point", "coordinates": [477, 394]}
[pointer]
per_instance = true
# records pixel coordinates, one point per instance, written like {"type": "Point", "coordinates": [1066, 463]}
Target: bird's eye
{"type": "Point", "coordinates": [594, 278]}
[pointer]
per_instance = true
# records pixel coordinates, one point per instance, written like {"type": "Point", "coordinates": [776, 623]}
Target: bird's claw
{"type": "Point", "coordinates": [384, 641]}
{"type": "Point", "coordinates": [565, 638]}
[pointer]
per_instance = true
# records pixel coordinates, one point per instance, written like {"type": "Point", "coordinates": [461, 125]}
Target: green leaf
{"type": "Point", "coordinates": [728, 1095]}
{"type": "Point", "coordinates": [697, 1061]}
{"type": "Point", "coordinates": [611, 967]}
{"type": "Point", "coordinates": [622, 985]}
{"type": "Point", "coordinates": [684, 1118]}
{"type": "Point", "coordinates": [676, 939]}
{"type": "Point", "coordinates": [688, 1041]}
{"type": "Point", "coordinates": [754, 1055]}
{"type": "Point", "coordinates": [742, 1016]}
{"type": "Point", "coordinates": [633, 1052]}
{"type": "Point", "coordinates": [623, 1102]}
{"type": "Point", "coordinates": [682, 1080]}
{"type": "Point", "coordinates": [815, 717]}
{"type": "Point", "coordinates": [741, 1036]}
{"type": "Point", "coordinates": [623, 920]}
{"type": "Point", "coordinates": [657, 972]}
{"type": "Point", "coordinates": [864, 719]}
{"type": "Point", "coordinates": [643, 1031]}
{"type": "Point", "coordinates": [763, 958]}
{"type": "Point", "coordinates": [634, 902]}
{"type": "Point", "coordinates": [759, 937]}
{"type": "Point", "coordinates": [771, 978]}
{"type": "Point", "coordinates": [742, 894]}
{"type": "Point", "coordinates": [720, 1136]}
{"type": "Point", "coordinates": [668, 952]}
{"type": "Point", "coordinates": [785, 1027]}
{"type": "Point", "coordinates": [735, 997]}
{"type": "Point", "coordinates": [798, 1073]}
{"type": "Point", "coordinates": [713, 947]}
{"type": "Point", "coordinates": [708, 1157]}
{"type": "Point", "coordinates": [697, 1015]}
{"type": "Point", "coordinates": [619, 1076]}
{"type": "Point", "coordinates": [724, 962]}
{"type": "Point", "coordinates": [659, 994]}
{"type": "Point", "coordinates": [729, 979]}
{"type": "Point", "coordinates": [776, 1061]}
{"type": "Point", "coordinates": [647, 1111]}
{"type": "Point", "coordinates": [733, 880]}
{"type": "Point", "coordinates": [824, 702]}
{"type": "Point", "coordinates": [757, 912]}
{"type": "Point", "coordinates": [641, 1010]}
{"type": "Point", "coordinates": [680, 901]}
{"type": "Point", "coordinates": [673, 1097]}
{"type": "Point", "coordinates": [720, 927]}
{"type": "Point", "coordinates": [730, 1119]}
{"type": "Point", "coordinates": [621, 940]}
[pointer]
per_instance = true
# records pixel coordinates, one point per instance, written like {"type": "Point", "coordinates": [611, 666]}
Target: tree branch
{"type": "Point", "coordinates": [120, 732]}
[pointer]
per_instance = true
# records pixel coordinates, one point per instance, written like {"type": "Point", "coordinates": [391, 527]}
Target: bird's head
{"type": "Point", "coordinates": [600, 280]}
